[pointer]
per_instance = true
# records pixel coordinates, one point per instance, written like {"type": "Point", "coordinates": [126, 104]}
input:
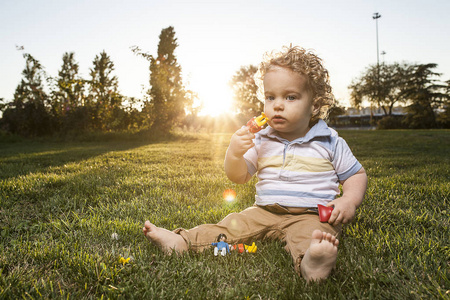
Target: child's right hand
{"type": "Point", "coordinates": [241, 142]}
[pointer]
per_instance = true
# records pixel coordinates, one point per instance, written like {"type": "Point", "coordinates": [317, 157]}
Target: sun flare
{"type": "Point", "coordinates": [214, 95]}
{"type": "Point", "coordinates": [229, 195]}
{"type": "Point", "coordinates": [215, 102]}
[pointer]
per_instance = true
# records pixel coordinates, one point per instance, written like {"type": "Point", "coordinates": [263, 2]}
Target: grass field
{"type": "Point", "coordinates": [60, 203]}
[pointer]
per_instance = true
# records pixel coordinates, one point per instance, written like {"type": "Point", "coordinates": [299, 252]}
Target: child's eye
{"type": "Point", "coordinates": [270, 98]}
{"type": "Point", "coordinates": [291, 97]}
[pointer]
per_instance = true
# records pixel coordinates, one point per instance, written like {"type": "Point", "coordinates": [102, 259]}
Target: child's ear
{"type": "Point", "coordinates": [316, 108]}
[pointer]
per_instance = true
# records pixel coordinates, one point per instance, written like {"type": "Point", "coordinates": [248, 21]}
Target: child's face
{"type": "Point", "coordinates": [288, 103]}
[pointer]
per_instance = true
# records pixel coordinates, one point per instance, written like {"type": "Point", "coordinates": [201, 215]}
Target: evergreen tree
{"type": "Point", "coordinates": [28, 114]}
{"type": "Point", "coordinates": [167, 94]}
{"type": "Point", "coordinates": [70, 86]}
{"type": "Point", "coordinates": [68, 97]}
{"type": "Point", "coordinates": [426, 94]}
{"type": "Point", "coordinates": [30, 88]}
{"type": "Point", "coordinates": [104, 96]}
{"type": "Point", "coordinates": [444, 116]}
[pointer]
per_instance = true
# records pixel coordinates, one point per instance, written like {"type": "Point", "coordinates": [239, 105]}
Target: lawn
{"type": "Point", "coordinates": [71, 212]}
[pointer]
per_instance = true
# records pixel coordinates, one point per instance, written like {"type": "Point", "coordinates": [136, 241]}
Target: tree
{"type": "Point", "coordinates": [335, 111]}
{"type": "Point", "coordinates": [3, 105]}
{"type": "Point", "coordinates": [70, 87]}
{"type": "Point", "coordinates": [28, 113]}
{"type": "Point", "coordinates": [30, 88]}
{"type": "Point", "coordinates": [168, 100]}
{"type": "Point", "coordinates": [167, 94]}
{"type": "Point", "coordinates": [443, 118]}
{"type": "Point", "coordinates": [382, 85]}
{"type": "Point", "coordinates": [245, 91]}
{"type": "Point", "coordinates": [426, 95]}
{"type": "Point", "coordinates": [104, 95]}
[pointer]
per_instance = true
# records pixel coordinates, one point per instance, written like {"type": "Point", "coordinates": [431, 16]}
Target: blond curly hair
{"type": "Point", "coordinates": [306, 63]}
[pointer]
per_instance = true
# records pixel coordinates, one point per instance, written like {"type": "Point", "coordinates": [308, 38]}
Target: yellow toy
{"type": "Point", "coordinates": [256, 123]}
{"type": "Point", "coordinates": [251, 249]}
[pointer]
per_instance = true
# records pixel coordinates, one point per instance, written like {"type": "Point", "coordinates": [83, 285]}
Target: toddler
{"type": "Point", "coordinates": [300, 163]}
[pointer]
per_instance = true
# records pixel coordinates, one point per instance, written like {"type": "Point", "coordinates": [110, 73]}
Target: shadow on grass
{"type": "Point", "coordinates": [19, 156]}
{"type": "Point", "coordinates": [45, 179]}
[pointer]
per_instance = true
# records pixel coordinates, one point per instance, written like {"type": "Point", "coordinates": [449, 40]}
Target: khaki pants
{"type": "Point", "coordinates": [292, 226]}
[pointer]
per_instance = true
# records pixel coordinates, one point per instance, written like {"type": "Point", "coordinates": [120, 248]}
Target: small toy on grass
{"type": "Point", "coordinates": [324, 212]}
{"type": "Point", "coordinates": [251, 249]}
{"type": "Point", "coordinates": [256, 123]}
{"type": "Point", "coordinates": [221, 245]}
{"type": "Point", "coordinates": [239, 247]}
{"type": "Point", "coordinates": [242, 247]}
{"type": "Point", "coordinates": [124, 260]}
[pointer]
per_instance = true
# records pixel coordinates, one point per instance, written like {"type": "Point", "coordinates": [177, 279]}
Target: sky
{"type": "Point", "coordinates": [216, 38]}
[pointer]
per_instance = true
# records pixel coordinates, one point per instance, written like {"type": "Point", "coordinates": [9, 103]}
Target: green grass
{"type": "Point", "coordinates": [61, 201]}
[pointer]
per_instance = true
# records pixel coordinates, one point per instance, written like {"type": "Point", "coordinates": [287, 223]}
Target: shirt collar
{"type": "Point", "coordinates": [320, 129]}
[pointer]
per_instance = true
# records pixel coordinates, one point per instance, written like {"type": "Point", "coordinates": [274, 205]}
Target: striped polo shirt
{"type": "Point", "coordinates": [303, 172]}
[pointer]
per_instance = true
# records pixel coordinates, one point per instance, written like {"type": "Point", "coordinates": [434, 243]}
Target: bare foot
{"type": "Point", "coordinates": [164, 239]}
{"type": "Point", "coordinates": [321, 256]}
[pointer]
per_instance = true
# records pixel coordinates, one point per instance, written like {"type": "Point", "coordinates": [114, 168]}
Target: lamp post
{"type": "Point", "coordinates": [376, 16]}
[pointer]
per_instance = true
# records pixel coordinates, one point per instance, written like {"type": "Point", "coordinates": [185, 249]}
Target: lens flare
{"type": "Point", "coordinates": [229, 195]}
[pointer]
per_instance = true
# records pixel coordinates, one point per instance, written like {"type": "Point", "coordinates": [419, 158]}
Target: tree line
{"type": "Point", "coordinates": [416, 87]}
{"type": "Point", "coordinates": [77, 105]}
{"type": "Point", "coordinates": [73, 104]}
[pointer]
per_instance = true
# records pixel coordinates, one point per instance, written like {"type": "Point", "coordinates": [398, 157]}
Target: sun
{"type": "Point", "coordinates": [214, 95]}
{"type": "Point", "coordinates": [213, 109]}
{"type": "Point", "coordinates": [215, 101]}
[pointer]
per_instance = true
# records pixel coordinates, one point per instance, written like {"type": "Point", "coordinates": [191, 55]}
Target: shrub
{"type": "Point", "coordinates": [390, 122]}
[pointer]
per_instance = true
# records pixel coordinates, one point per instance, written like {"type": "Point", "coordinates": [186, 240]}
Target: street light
{"type": "Point", "coordinates": [376, 16]}
{"type": "Point", "coordinates": [383, 53]}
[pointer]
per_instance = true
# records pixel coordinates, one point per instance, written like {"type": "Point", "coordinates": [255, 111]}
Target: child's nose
{"type": "Point", "coordinates": [278, 104]}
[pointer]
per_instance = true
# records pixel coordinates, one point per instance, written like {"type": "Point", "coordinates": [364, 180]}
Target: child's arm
{"type": "Point", "coordinates": [353, 190]}
{"type": "Point", "coordinates": [235, 166]}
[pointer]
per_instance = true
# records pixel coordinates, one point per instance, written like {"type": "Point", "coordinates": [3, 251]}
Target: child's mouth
{"type": "Point", "coordinates": [278, 119]}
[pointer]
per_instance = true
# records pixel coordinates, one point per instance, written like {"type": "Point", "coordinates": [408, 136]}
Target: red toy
{"type": "Point", "coordinates": [324, 212]}
{"type": "Point", "coordinates": [245, 248]}
{"type": "Point", "coordinates": [256, 123]}
{"type": "Point", "coordinates": [239, 247]}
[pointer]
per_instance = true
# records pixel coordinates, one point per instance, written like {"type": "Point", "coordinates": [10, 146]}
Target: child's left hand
{"type": "Point", "coordinates": [353, 190]}
{"type": "Point", "coordinates": [343, 212]}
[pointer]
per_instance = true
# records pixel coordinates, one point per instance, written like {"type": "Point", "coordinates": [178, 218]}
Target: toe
{"type": "Point", "coordinates": [150, 228]}
{"type": "Point", "coordinates": [332, 239]}
{"type": "Point", "coordinates": [317, 235]}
